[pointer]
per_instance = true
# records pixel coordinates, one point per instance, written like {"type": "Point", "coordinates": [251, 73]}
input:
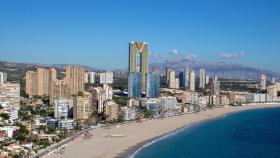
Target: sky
{"type": "Point", "coordinates": [97, 32]}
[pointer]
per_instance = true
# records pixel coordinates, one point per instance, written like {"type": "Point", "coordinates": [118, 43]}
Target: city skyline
{"type": "Point", "coordinates": [88, 33]}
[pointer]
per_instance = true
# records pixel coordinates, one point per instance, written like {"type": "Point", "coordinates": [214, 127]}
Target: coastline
{"type": "Point", "coordinates": [139, 135]}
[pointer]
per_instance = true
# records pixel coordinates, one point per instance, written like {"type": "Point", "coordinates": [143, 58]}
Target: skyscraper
{"type": "Point", "coordinates": [263, 82]}
{"type": "Point", "coordinates": [192, 80]}
{"type": "Point", "coordinates": [75, 78]}
{"type": "Point", "coordinates": [202, 78]}
{"type": "Point", "coordinates": [134, 85]}
{"type": "Point", "coordinates": [31, 83]}
{"type": "Point", "coordinates": [40, 82]}
{"type": "Point", "coordinates": [139, 49]}
{"type": "Point", "coordinates": [168, 70]}
{"type": "Point", "coordinates": [91, 77]}
{"type": "Point", "coordinates": [153, 85]}
{"type": "Point", "coordinates": [172, 79]}
{"type": "Point", "coordinates": [184, 78]}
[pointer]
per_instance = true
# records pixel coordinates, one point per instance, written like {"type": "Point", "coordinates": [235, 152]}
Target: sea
{"type": "Point", "coordinates": [245, 134]}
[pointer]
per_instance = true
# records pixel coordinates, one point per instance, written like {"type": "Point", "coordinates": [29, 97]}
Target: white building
{"type": "Point", "coordinates": [9, 130]}
{"type": "Point", "coordinates": [91, 76]}
{"type": "Point", "coordinates": [10, 92]}
{"type": "Point", "coordinates": [192, 80]}
{"type": "Point", "coordinates": [263, 82]}
{"type": "Point", "coordinates": [68, 124]}
{"type": "Point", "coordinates": [190, 98]}
{"type": "Point", "coordinates": [61, 108]}
{"type": "Point", "coordinates": [172, 79]}
{"type": "Point", "coordinates": [169, 106]}
{"type": "Point", "coordinates": [3, 77]}
{"type": "Point", "coordinates": [202, 78]}
{"type": "Point", "coordinates": [106, 77]}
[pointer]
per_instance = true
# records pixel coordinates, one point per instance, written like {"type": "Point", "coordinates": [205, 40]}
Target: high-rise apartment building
{"type": "Point", "coordinates": [202, 78]}
{"type": "Point", "coordinates": [172, 79]}
{"type": "Point", "coordinates": [263, 82]}
{"type": "Point", "coordinates": [153, 85]}
{"type": "Point", "coordinates": [3, 77]}
{"type": "Point", "coordinates": [106, 77]}
{"type": "Point", "coordinates": [168, 70]}
{"type": "Point", "coordinates": [91, 76]}
{"type": "Point", "coordinates": [184, 78]}
{"type": "Point", "coordinates": [82, 107]}
{"type": "Point", "coordinates": [31, 83]}
{"type": "Point", "coordinates": [111, 110]}
{"type": "Point", "coordinates": [139, 49]}
{"type": "Point", "coordinates": [61, 108]}
{"type": "Point", "coordinates": [75, 78]}
{"type": "Point", "coordinates": [98, 96]}
{"type": "Point", "coordinates": [10, 92]}
{"type": "Point", "coordinates": [192, 80]}
{"type": "Point", "coordinates": [134, 85]}
{"type": "Point", "coordinates": [40, 82]}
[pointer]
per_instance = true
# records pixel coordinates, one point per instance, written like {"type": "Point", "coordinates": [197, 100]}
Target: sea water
{"type": "Point", "coordinates": [246, 134]}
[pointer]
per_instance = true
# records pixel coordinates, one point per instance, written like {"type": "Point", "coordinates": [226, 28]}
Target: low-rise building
{"type": "Point", "coordinates": [9, 130]}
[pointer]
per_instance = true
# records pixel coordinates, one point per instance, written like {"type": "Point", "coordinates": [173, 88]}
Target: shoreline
{"type": "Point", "coordinates": [130, 153]}
{"type": "Point", "coordinates": [130, 144]}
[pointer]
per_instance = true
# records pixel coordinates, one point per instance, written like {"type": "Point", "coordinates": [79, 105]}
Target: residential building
{"type": "Point", "coordinates": [184, 78]}
{"type": "Point", "coordinates": [134, 85]}
{"type": "Point", "coordinates": [3, 77]}
{"type": "Point", "coordinates": [168, 70]}
{"type": "Point", "coordinates": [9, 130]}
{"type": "Point", "coordinates": [153, 85]}
{"type": "Point", "coordinates": [10, 92]}
{"type": "Point", "coordinates": [139, 49]}
{"type": "Point", "coordinates": [153, 105]}
{"type": "Point", "coordinates": [263, 82]}
{"type": "Point", "coordinates": [111, 110]}
{"type": "Point", "coordinates": [82, 107]}
{"type": "Point", "coordinates": [172, 79]}
{"type": "Point", "coordinates": [98, 96]}
{"type": "Point", "coordinates": [91, 76]}
{"type": "Point", "coordinates": [61, 108]}
{"type": "Point", "coordinates": [202, 78]}
{"type": "Point", "coordinates": [169, 106]}
{"type": "Point", "coordinates": [274, 90]}
{"type": "Point", "coordinates": [192, 80]}
{"type": "Point", "coordinates": [75, 79]}
{"type": "Point", "coordinates": [68, 124]}
{"type": "Point", "coordinates": [190, 97]}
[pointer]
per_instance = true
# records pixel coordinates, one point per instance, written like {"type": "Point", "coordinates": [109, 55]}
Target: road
{"type": "Point", "coordinates": [59, 144]}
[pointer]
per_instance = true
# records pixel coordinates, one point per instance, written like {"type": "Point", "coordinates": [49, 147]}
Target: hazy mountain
{"type": "Point", "coordinates": [221, 69]}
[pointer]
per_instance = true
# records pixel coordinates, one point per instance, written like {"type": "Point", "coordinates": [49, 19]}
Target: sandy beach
{"type": "Point", "coordinates": [135, 134]}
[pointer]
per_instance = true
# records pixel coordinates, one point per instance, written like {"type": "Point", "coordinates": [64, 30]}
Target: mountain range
{"type": "Point", "coordinates": [221, 69]}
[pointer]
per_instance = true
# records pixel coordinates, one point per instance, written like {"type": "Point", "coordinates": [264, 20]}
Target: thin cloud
{"type": "Point", "coordinates": [190, 56]}
{"type": "Point", "coordinates": [174, 52]}
{"type": "Point", "coordinates": [231, 55]}
{"type": "Point", "coordinates": [157, 55]}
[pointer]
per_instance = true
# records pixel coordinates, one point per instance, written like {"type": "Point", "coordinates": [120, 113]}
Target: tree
{"type": "Point", "coordinates": [5, 116]}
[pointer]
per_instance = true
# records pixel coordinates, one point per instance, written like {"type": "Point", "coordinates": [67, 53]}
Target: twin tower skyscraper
{"type": "Point", "coordinates": [139, 80]}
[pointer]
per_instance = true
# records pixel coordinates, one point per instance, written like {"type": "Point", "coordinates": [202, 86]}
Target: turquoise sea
{"type": "Point", "coordinates": [246, 134]}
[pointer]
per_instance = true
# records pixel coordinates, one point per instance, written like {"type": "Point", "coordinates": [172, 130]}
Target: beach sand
{"type": "Point", "coordinates": [136, 134]}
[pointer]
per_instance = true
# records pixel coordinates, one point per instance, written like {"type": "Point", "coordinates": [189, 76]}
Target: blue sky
{"type": "Point", "coordinates": [97, 33]}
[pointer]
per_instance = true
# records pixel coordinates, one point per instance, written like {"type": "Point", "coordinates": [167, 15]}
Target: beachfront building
{"type": "Point", "coordinates": [153, 106]}
{"type": "Point", "coordinates": [169, 106]}
{"type": "Point", "coordinates": [153, 85]}
{"type": "Point", "coordinates": [190, 97]}
{"type": "Point", "coordinates": [61, 108]}
{"type": "Point", "coordinates": [134, 85]}
{"type": "Point", "coordinates": [112, 110]}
